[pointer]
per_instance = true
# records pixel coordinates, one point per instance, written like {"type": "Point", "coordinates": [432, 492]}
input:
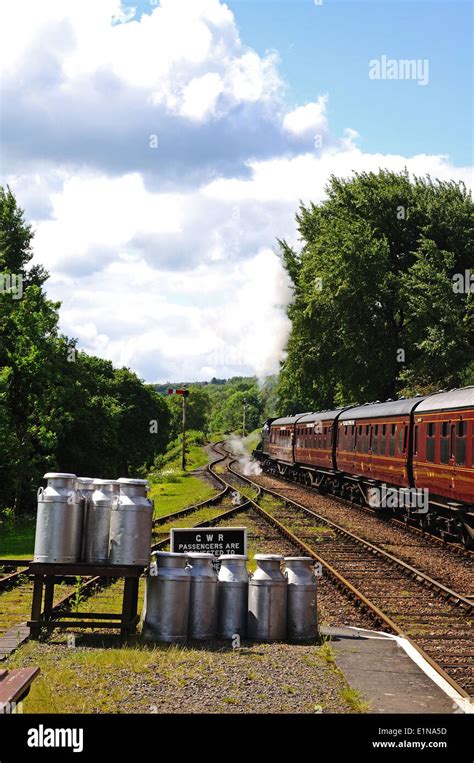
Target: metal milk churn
{"type": "Point", "coordinates": [166, 608]}
{"type": "Point", "coordinates": [267, 600]}
{"type": "Point", "coordinates": [202, 621]}
{"type": "Point", "coordinates": [131, 519]}
{"type": "Point", "coordinates": [233, 591]}
{"type": "Point", "coordinates": [302, 618]}
{"type": "Point", "coordinates": [85, 490]}
{"type": "Point", "coordinates": [97, 523]}
{"type": "Point", "coordinates": [59, 520]}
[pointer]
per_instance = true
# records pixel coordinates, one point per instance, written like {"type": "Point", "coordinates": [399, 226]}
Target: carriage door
{"type": "Point", "coordinates": [452, 451]}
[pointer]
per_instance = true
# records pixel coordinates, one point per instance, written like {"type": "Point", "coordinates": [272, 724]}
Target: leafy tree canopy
{"type": "Point", "coordinates": [375, 312]}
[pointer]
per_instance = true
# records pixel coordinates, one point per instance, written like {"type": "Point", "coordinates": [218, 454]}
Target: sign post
{"type": "Point", "coordinates": [185, 394]}
{"type": "Point", "coordinates": [183, 455]}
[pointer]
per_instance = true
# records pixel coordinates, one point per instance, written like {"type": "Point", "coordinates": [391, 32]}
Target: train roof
{"type": "Point", "coordinates": [320, 416]}
{"type": "Point", "coordinates": [401, 407]}
{"type": "Point", "coordinates": [448, 401]}
{"type": "Point", "coordinates": [284, 420]}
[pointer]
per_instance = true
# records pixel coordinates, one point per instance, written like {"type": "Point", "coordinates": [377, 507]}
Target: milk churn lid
{"type": "Point", "coordinates": [268, 558]}
{"type": "Point", "coordinates": [167, 554]}
{"type": "Point", "coordinates": [105, 482]}
{"type": "Point", "coordinates": [59, 475]}
{"type": "Point", "coordinates": [233, 556]}
{"type": "Point", "coordinates": [85, 480]}
{"type": "Point", "coordinates": [299, 559]}
{"type": "Point", "coordinates": [200, 555]}
{"type": "Point", "coordinates": [129, 481]}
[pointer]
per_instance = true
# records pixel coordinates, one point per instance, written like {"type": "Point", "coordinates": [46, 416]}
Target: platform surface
{"type": "Point", "coordinates": [378, 667]}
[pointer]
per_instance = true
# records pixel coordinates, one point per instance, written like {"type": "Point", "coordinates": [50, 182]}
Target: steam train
{"type": "Point", "coordinates": [413, 456]}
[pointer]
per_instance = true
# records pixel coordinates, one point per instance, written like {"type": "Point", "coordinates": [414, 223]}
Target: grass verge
{"type": "Point", "coordinates": [17, 542]}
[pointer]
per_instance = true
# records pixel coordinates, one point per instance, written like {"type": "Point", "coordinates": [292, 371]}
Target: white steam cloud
{"type": "Point", "coordinates": [248, 466]}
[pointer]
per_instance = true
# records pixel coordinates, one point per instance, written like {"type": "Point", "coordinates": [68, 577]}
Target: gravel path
{"type": "Point", "coordinates": [210, 678]}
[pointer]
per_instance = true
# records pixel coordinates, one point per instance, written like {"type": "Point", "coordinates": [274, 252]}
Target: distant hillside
{"type": "Point", "coordinates": [220, 405]}
{"type": "Point", "coordinates": [163, 388]}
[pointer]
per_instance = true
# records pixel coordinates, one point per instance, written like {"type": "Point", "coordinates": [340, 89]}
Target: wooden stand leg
{"type": "Point", "coordinates": [36, 606]}
{"type": "Point", "coordinates": [48, 596]}
{"type": "Point", "coordinates": [135, 582]}
{"type": "Point", "coordinates": [129, 606]}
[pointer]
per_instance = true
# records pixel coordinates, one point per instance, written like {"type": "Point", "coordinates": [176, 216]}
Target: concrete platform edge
{"type": "Point", "coordinates": [465, 704]}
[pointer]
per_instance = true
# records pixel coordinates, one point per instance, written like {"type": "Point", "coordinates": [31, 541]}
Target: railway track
{"type": "Point", "coordinates": [405, 524]}
{"type": "Point", "coordinates": [436, 620]}
{"type": "Point", "coordinates": [12, 572]}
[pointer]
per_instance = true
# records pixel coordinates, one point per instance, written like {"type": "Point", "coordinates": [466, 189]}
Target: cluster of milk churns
{"type": "Point", "coordinates": [93, 520]}
{"type": "Point", "coordinates": [187, 598]}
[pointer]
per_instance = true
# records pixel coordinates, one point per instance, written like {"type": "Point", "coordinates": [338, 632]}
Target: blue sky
{"type": "Point", "coordinates": [160, 151]}
{"type": "Point", "coordinates": [326, 48]}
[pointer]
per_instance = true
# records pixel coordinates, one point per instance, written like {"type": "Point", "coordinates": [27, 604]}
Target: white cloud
{"type": "Point", "coordinates": [200, 96]}
{"type": "Point", "coordinates": [136, 315]}
{"type": "Point", "coordinates": [308, 120]}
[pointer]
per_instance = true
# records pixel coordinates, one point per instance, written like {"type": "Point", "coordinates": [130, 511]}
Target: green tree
{"type": "Point", "coordinates": [29, 340]}
{"type": "Point", "coordinates": [230, 416]}
{"type": "Point", "coordinates": [374, 312]}
{"type": "Point", "coordinates": [60, 409]}
{"type": "Point", "coordinates": [198, 410]}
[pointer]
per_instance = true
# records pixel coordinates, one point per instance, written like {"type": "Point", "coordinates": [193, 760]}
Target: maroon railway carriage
{"type": "Point", "coordinates": [443, 446]}
{"type": "Point", "coordinates": [374, 442]}
{"type": "Point", "coordinates": [425, 443]}
{"type": "Point", "coordinates": [303, 445]}
{"type": "Point", "coordinates": [280, 443]}
{"type": "Point", "coordinates": [314, 450]}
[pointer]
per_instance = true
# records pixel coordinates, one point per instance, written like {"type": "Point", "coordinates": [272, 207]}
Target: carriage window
{"type": "Point", "coordinates": [391, 447]}
{"type": "Point", "coordinates": [367, 428]}
{"type": "Point", "coordinates": [415, 446]}
{"type": "Point", "coordinates": [384, 428]}
{"type": "Point", "coordinates": [430, 443]}
{"type": "Point", "coordinates": [405, 438]}
{"type": "Point", "coordinates": [445, 444]}
{"type": "Point", "coordinates": [375, 439]}
{"type": "Point", "coordinates": [461, 443]}
{"type": "Point", "coordinates": [366, 439]}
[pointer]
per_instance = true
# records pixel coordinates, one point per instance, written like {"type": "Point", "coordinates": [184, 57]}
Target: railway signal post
{"type": "Point", "coordinates": [184, 393]}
